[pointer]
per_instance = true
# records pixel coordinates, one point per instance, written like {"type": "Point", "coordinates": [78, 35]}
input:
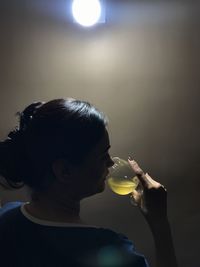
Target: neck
{"type": "Point", "coordinates": [58, 209]}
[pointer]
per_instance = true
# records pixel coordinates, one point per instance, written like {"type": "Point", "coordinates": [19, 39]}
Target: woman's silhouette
{"type": "Point", "coordinates": [61, 151]}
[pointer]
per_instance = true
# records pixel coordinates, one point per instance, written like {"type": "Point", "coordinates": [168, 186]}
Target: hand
{"type": "Point", "coordinates": [152, 201]}
{"type": "Point", "coordinates": [153, 204]}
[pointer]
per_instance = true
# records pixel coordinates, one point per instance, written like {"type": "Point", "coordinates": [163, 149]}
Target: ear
{"type": "Point", "coordinates": [61, 170]}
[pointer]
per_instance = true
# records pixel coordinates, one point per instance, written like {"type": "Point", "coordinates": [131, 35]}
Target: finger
{"type": "Point", "coordinates": [135, 166]}
{"type": "Point", "coordinates": [135, 198]}
{"type": "Point", "coordinates": [136, 195]}
{"type": "Point", "coordinates": [153, 182]}
{"type": "Point", "coordinates": [164, 188]}
{"type": "Point", "coordinates": [139, 172]}
{"type": "Point", "coordinates": [138, 200]}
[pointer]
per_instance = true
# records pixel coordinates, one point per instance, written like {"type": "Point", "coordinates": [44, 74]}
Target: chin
{"type": "Point", "coordinates": [97, 190]}
{"type": "Point", "coordinates": [101, 187]}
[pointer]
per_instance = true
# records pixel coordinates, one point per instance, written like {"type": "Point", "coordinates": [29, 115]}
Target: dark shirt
{"type": "Point", "coordinates": [25, 243]}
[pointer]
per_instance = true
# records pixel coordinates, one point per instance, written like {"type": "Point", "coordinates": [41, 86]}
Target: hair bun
{"type": "Point", "coordinates": [15, 134]}
{"type": "Point", "coordinates": [27, 114]}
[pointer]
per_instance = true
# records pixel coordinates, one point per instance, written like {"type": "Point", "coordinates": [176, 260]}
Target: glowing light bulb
{"type": "Point", "coordinates": [86, 12]}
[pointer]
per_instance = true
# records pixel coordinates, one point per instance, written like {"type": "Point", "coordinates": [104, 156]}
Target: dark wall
{"type": "Point", "coordinates": [142, 69]}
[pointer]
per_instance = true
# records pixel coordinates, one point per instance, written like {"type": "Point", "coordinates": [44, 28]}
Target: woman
{"type": "Point", "coordinates": [60, 151]}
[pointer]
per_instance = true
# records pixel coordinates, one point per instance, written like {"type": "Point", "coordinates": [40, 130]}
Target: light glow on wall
{"type": "Point", "coordinates": [86, 12]}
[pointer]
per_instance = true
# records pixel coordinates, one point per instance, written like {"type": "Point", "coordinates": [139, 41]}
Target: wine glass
{"type": "Point", "coordinates": [123, 181]}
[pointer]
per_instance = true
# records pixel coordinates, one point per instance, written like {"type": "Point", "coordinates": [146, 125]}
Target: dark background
{"type": "Point", "coordinates": [142, 69]}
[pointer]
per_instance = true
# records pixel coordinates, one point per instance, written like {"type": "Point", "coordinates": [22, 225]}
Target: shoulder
{"type": "Point", "coordinates": [9, 206]}
{"type": "Point", "coordinates": [8, 224]}
{"type": "Point", "coordinates": [120, 249]}
{"type": "Point", "coordinates": [118, 239]}
{"type": "Point", "coordinates": [9, 217]}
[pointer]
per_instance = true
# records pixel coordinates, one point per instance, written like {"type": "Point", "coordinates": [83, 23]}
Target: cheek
{"type": "Point", "coordinates": [94, 173]}
{"type": "Point", "coordinates": [91, 179]}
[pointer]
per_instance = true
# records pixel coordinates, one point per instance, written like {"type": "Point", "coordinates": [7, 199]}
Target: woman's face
{"type": "Point", "coordinates": [90, 176]}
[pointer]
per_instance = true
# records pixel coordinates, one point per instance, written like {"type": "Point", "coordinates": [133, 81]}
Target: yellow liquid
{"type": "Point", "coordinates": [122, 187]}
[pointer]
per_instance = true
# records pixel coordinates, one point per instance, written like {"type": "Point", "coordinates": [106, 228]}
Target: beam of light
{"type": "Point", "coordinates": [86, 12]}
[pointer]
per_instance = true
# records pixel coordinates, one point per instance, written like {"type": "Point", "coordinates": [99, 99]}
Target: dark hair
{"type": "Point", "coordinates": [61, 128]}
